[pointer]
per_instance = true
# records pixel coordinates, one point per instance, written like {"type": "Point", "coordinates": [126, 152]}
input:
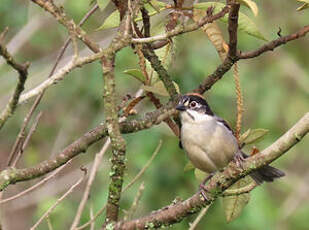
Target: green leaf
{"type": "Point", "coordinates": [136, 73]}
{"type": "Point", "coordinates": [159, 88]}
{"type": "Point", "coordinates": [251, 5]}
{"type": "Point", "coordinates": [189, 166]}
{"type": "Point", "coordinates": [233, 205]}
{"type": "Point", "coordinates": [304, 6]}
{"type": "Point", "coordinates": [305, 1]}
{"type": "Point", "coordinates": [113, 20]}
{"type": "Point", "coordinates": [253, 136]}
{"type": "Point", "coordinates": [244, 136]}
{"type": "Point", "coordinates": [102, 4]}
{"type": "Point", "coordinates": [245, 24]}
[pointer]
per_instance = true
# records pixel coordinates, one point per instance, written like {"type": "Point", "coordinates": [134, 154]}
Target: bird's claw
{"type": "Point", "coordinates": [239, 159]}
{"type": "Point", "coordinates": [202, 191]}
{"type": "Point", "coordinates": [202, 186]}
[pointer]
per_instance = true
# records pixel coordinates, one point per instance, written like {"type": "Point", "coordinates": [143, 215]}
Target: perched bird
{"type": "Point", "coordinates": [209, 141]}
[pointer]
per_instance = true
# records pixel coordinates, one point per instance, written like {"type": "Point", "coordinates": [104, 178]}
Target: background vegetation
{"type": "Point", "coordinates": [275, 88]}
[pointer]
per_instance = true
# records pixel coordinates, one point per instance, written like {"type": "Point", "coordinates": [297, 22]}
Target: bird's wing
{"type": "Point", "coordinates": [225, 123]}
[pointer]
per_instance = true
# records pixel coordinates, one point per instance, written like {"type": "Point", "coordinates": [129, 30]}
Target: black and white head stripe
{"type": "Point", "coordinates": [195, 102]}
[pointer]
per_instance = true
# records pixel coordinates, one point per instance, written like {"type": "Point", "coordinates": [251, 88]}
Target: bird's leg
{"type": "Point", "coordinates": [239, 159]}
{"type": "Point", "coordinates": [202, 186]}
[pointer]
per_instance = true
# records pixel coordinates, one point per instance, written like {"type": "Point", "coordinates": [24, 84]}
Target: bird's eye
{"type": "Point", "coordinates": [193, 104]}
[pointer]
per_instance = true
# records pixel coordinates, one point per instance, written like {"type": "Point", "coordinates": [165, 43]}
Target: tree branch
{"type": "Point", "coordinates": [231, 57]}
{"type": "Point", "coordinates": [274, 44]}
{"type": "Point", "coordinates": [232, 29]}
{"type": "Point", "coordinates": [111, 117]}
{"type": "Point", "coordinates": [22, 70]}
{"type": "Point", "coordinates": [61, 17]}
{"type": "Point", "coordinates": [220, 182]}
{"type": "Point", "coordinates": [184, 29]}
{"type": "Point", "coordinates": [12, 175]}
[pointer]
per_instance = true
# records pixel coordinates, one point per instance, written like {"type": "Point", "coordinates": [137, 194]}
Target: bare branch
{"type": "Point", "coordinates": [57, 202]}
{"type": "Point", "coordinates": [199, 218]}
{"type": "Point", "coordinates": [184, 29]}
{"type": "Point", "coordinates": [143, 170]}
{"type": "Point", "coordinates": [61, 17]}
{"type": "Point", "coordinates": [25, 143]}
{"type": "Point", "coordinates": [274, 44]}
{"type": "Point", "coordinates": [22, 70]}
{"type": "Point", "coordinates": [35, 186]}
{"type": "Point", "coordinates": [96, 164]}
{"type": "Point", "coordinates": [232, 29]}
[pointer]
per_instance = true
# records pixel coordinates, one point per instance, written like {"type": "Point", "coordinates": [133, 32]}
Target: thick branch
{"type": "Point", "coordinates": [117, 141]}
{"type": "Point", "coordinates": [211, 79]}
{"type": "Point", "coordinates": [220, 182]}
{"type": "Point", "coordinates": [232, 28]}
{"type": "Point", "coordinates": [231, 58]}
{"type": "Point", "coordinates": [22, 70]}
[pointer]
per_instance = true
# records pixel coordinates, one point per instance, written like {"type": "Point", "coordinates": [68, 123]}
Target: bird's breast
{"type": "Point", "coordinates": [209, 145]}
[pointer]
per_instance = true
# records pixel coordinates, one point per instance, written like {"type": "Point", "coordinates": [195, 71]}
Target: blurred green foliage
{"type": "Point", "coordinates": [275, 88]}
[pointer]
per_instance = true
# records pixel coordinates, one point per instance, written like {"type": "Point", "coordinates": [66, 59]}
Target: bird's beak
{"type": "Point", "coordinates": [180, 107]}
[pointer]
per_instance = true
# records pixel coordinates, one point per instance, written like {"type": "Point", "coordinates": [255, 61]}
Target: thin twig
{"type": "Point", "coordinates": [57, 202]}
{"type": "Point", "coordinates": [183, 29]}
{"type": "Point", "coordinates": [270, 46]}
{"type": "Point", "coordinates": [91, 217]}
{"type": "Point", "coordinates": [22, 70]}
{"type": "Point", "coordinates": [49, 224]}
{"type": "Point", "coordinates": [30, 189]}
{"type": "Point", "coordinates": [135, 203]}
{"type": "Point", "coordinates": [199, 218]}
{"type": "Point", "coordinates": [23, 147]}
{"type": "Point", "coordinates": [235, 192]}
{"type": "Point", "coordinates": [21, 134]}
{"type": "Point", "coordinates": [96, 164]}
{"type": "Point", "coordinates": [142, 171]}
{"type": "Point", "coordinates": [62, 18]}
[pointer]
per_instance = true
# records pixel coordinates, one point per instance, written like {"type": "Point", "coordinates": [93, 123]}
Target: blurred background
{"type": "Point", "coordinates": [275, 87]}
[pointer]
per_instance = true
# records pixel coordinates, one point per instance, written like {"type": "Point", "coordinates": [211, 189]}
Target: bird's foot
{"type": "Point", "coordinates": [239, 159]}
{"type": "Point", "coordinates": [202, 187]}
{"type": "Point", "coordinates": [203, 190]}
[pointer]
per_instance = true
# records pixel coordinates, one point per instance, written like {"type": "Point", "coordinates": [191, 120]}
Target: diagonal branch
{"type": "Point", "coordinates": [22, 70]}
{"type": "Point", "coordinates": [12, 175]}
{"type": "Point", "coordinates": [184, 29]}
{"type": "Point", "coordinates": [274, 44]}
{"type": "Point", "coordinates": [156, 64]}
{"type": "Point", "coordinates": [231, 58]}
{"type": "Point", "coordinates": [20, 137]}
{"type": "Point", "coordinates": [220, 182]}
{"type": "Point", "coordinates": [61, 17]}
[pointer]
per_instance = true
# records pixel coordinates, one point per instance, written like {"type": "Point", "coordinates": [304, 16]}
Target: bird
{"type": "Point", "coordinates": [209, 141]}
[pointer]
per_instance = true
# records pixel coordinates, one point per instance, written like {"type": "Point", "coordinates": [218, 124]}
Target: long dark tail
{"type": "Point", "coordinates": [267, 174]}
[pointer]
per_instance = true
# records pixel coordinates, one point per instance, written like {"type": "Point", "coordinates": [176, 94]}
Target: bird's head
{"type": "Point", "coordinates": [193, 107]}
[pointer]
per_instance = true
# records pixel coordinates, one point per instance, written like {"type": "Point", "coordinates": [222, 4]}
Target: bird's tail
{"type": "Point", "coordinates": [267, 174]}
